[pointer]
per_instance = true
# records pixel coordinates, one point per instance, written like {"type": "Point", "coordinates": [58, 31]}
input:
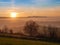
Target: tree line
{"type": "Point", "coordinates": [5, 30]}
{"type": "Point", "coordinates": [31, 29]}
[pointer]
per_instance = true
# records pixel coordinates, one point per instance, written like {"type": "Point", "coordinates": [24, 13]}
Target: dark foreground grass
{"type": "Point", "coordinates": [14, 41]}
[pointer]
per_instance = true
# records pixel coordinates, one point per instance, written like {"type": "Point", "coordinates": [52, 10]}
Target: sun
{"type": "Point", "coordinates": [13, 14]}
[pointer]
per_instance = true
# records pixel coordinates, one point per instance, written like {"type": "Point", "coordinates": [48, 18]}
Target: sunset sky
{"type": "Point", "coordinates": [30, 7]}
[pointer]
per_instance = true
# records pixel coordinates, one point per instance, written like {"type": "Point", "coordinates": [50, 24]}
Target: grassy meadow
{"type": "Point", "coordinates": [14, 41]}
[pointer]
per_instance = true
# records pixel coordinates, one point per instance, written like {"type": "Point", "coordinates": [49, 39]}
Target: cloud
{"type": "Point", "coordinates": [46, 3]}
{"type": "Point", "coordinates": [32, 11]}
{"type": "Point", "coordinates": [39, 8]}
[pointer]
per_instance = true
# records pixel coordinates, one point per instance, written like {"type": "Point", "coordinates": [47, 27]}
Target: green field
{"type": "Point", "coordinates": [14, 41]}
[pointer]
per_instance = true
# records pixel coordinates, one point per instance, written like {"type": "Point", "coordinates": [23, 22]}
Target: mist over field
{"type": "Point", "coordinates": [29, 22]}
{"type": "Point", "coordinates": [17, 24]}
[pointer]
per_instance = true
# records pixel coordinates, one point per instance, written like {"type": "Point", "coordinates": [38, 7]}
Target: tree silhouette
{"type": "Point", "coordinates": [52, 31]}
{"type": "Point", "coordinates": [11, 31]}
{"type": "Point", "coordinates": [5, 29]}
{"type": "Point", "coordinates": [31, 28]}
{"type": "Point", "coordinates": [0, 30]}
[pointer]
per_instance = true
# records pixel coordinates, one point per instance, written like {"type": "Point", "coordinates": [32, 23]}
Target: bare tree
{"type": "Point", "coordinates": [5, 29]}
{"type": "Point", "coordinates": [44, 30]}
{"type": "Point", "coordinates": [11, 31]}
{"type": "Point", "coordinates": [0, 30]}
{"type": "Point", "coordinates": [31, 28]}
{"type": "Point", "coordinates": [52, 31]}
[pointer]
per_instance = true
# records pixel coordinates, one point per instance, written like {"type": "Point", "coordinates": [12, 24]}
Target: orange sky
{"type": "Point", "coordinates": [31, 11]}
{"type": "Point", "coordinates": [25, 8]}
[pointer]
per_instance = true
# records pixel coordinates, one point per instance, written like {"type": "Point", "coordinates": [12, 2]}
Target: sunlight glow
{"type": "Point", "coordinates": [13, 14]}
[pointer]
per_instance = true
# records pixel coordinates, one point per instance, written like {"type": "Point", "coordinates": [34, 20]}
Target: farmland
{"type": "Point", "coordinates": [14, 41]}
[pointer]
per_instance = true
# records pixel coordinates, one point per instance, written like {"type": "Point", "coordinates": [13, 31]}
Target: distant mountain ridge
{"type": "Point", "coordinates": [37, 16]}
{"type": "Point", "coordinates": [28, 17]}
